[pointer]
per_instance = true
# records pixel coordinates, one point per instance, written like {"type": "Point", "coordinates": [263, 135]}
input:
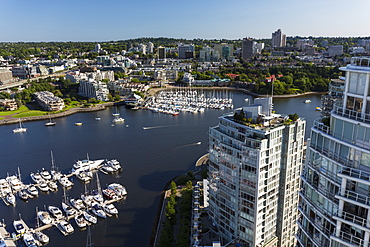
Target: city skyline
{"type": "Point", "coordinates": [119, 20]}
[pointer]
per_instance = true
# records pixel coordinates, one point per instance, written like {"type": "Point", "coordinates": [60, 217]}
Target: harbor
{"type": "Point", "coordinates": [93, 205]}
{"type": "Point", "coordinates": [154, 149]}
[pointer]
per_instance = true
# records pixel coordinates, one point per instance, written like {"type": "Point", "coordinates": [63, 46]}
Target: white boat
{"type": "Point", "coordinates": [29, 240]}
{"type": "Point", "coordinates": [65, 182]}
{"type": "Point", "coordinates": [77, 203]}
{"type": "Point", "coordinates": [84, 176]}
{"type": "Point", "coordinates": [107, 168]}
{"type": "Point", "coordinates": [56, 212]}
{"type": "Point", "coordinates": [36, 177]}
{"type": "Point", "coordinates": [23, 194]}
{"type": "Point", "coordinates": [14, 182]}
{"type": "Point", "coordinates": [10, 198]}
{"type": "Point", "coordinates": [90, 218]}
{"type": "Point", "coordinates": [19, 227]}
{"type": "Point", "coordinates": [50, 123]}
{"type": "Point", "coordinates": [4, 187]}
{"type": "Point", "coordinates": [78, 123]}
{"type": "Point", "coordinates": [43, 186]}
{"type": "Point", "coordinates": [45, 174]}
{"type": "Point", "coordinates": [110, 209]}
{"type": "Point", "coordinates": [83, 165]}
{"type": "Point", "coordinates": [307, 101]}
{"type": "Point", "coordinates": [88, 200]}
{"type": "Point", "coordinates": [110, 194]}
{"type": "Point", "coordinates": [81, 221]}
{"type": "Point", "coordinates": [44, 217]}
{"type": "Point", "coordinates": [118, 120]}
{"type": "Point", "coordinates": [119, 189]}
{"type": "Point", "coordinates": [41, 237]}
{"type": "Point", "coordinates": [20, 129]}
{"type": "Point", "coordinates": [32, 190]}
{"type": "Point", "coordinates": [66, 227]}
{"type": "Point", "coordinates": [114, 164]}
{"type": "Point", "coordinates": [98, 211]}
{"type": "Point", "coordinates": [52, 185]}
{"type": "Point", "coordinates": [115, 114]}
{"type": "Point", "coordinates": [68, 209]}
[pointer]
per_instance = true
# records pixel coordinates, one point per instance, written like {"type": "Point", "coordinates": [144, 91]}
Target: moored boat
{"type": "Point", "coordinates": [10, 198]}
{"type": "Point", "coordinates": [32, 190]}
{"type": "Point", "coordinates": [41, 237]}
{"type": "Point", "coordinates": [29, 240]}
{"type": "Point", "coordinates": [68, 209]}
{"type": "Point", "coordinates": [98, 211]}
{"type": "Point", "coordinates": [44, 217]}
{"type": "Point", "coordinates": [65, 227]}
{"type": "Point", "coordinates": [19, 226]}
{"type": "Point", "coordinates": [89, 217]}
{"type": "Point", "coordinates": [80, 221]}
{"type": "Point", "coordinates": [77, 203]}
{"type": "Point", "coordinates": [23, 194]}
{"type": "Point", "coordinates": [110, 209]}
{"type": "Point", "coordinates": [56, 212]}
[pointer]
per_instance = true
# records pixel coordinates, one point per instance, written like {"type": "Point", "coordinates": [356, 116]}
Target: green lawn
{"type": "Point", "coordinates": [31, 113]}
{"type": "Point", "coordinates": [20, 109]}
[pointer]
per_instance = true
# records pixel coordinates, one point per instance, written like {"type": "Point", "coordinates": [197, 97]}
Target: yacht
{"type": "Point", "coordinates": [45, 174]}
{"type": "Point", "coordinates": [14, 182]}
{"type": "Point", "coordinates": [80, 221]}
{"type": "Point", "coordinates": [82, 165]}
{"type": "Point", "coordinates": [77, 203]}
{"type": "Point", "coordinates": [98, 211]}
{"type": "Point", "coordinates": [32, 190]}
{"type": "Point", "coordinates": [29, 240]}
{"type": "Point", "coordinates": [88, 199]}
{"type": "Point", "coordinates": [43, 186]}
{"type": "Point", "coordinates": [41, 237]}
{"type": "Point", "coordinates": [23, 194]}
{"type": "Point", "coordinates": [110, 209]}
{"type": "Point", "coordinates": [90, 218]}
{"type": "Point", "coordinates": [20, 129]}
{"type": "Point", "coordinates": [50, 123]}
{"type": "Point", "coordinates": [36, 177]}
{"type": "Point", "coordinates": [114, 164]}
{"type": "Point", "coordinates": [68, 209]}
{"type": "Point", "coordinates": [65, 227]}
{"type": "Point", "coordinates": [10, 198]}
{"type": "Point", "coordinates": [52, 185]}
{"type": "Point", "coordinates": [119, 189]}
{"type": "Point", "coordinates": [44, 217]}
{"type": "Point", "coordinates": [118, 119]}
{"type": "Point", "coordinates": [65, 182]}
{"type": "Point", "coordinates": [56, 212]}
{"type": "Point", "coordinates": [84, 176]}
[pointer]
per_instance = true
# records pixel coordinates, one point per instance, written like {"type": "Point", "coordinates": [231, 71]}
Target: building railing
{"type": "Point", "coordinates": [318, 207]}
{"type": "Point", "coordinates": [334, 156]}
{"type": "Point", "coordinates": [351, 114]}
{"type": "Point", "coordinates": [351, 195]}
{"type": "Point", "coordinates": [309, 235]}
{"type": "Point", "coordinates": [322, 190]}
{"type": "Point", "coordinates": [356, 173]}
{"type": "Point", "coordinates": [353, 218]}
{"type": "Point", "coordinates": [349, 238]}
{"type": "Point", "coordinates": [315, 223]}
{"type": "Point", "coordinates": [325, 173]}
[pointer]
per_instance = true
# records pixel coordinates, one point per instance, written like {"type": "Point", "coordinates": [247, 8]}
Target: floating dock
{"type": "Point", "coordinates": [7, 237]}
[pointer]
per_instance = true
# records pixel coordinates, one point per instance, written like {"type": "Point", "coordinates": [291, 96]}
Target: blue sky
{"type": "Point", "coordinates": [93, 20]}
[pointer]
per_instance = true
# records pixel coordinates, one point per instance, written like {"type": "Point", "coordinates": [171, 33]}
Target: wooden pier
{"type": "Point", "coordinates": [7, 237]}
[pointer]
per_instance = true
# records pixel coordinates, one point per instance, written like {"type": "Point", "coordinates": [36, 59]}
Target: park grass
{"type": "Point", "coordinates": [30, 113]}
{"type": "Point", "coordinates": [20, 109]}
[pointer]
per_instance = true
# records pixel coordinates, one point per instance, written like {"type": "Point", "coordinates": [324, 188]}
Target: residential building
{"type": "Point", "coordinates": [255, 159]}
{"type": "Point", "coordinates": [166, 75]}
{"type": "Point", "coordinates": [94, 89]}
{"type": "Point", "coordinates": [335, 202]}
{"type": "Point", "coordinates": [335, 94]}
{"type": "Point", "coordinates": [335, 50]}
{"type": "Point", "coordinates": [9, 104]}
{"type": "Point", "coordinates": [225, 50]}
{"type": "Point", "coordinates": [25, 71]}
{"type": "Point", "coordinates": [161, 52]}
{"type": "Point", "coordinates": [278, 39]}
{"type": "Point", "coordinates": [149, 48]}
{"type": "Point", "coordinates": [188, 78]}
{"type": "Point", "coordinates": [185, 51]}
{"type": "Point", "coordinates": [302, 43]}
{"type": "Point", "coordinates": [5, 75]}
{"type": "Point", "coordinates": [247, 48]}
{"type": "Point", "coordinates": [48, 101]}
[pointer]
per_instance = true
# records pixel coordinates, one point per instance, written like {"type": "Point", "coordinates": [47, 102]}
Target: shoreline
{"type": "Point", "coordinates": [151, 92]}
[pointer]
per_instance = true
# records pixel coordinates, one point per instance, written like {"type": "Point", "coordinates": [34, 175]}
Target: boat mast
{"type": "Point", "coordinates": [89, 242]}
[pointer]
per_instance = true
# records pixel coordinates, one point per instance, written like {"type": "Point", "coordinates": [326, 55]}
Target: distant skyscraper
{"type": "Point", "coordinates": [185, 51]}
{"type": "Point", "coordinates": [247, 48]}
{"type": "Point", "coordinates": [255, 159]}
{"type": "Point", "coordinates": [149, 48]}
{"type": "Point", "coordinates": [278, 39]}
{"type": "Point", "coordinates": [335, 194]}
{"type": "Point", "coordinates": [161, 52]}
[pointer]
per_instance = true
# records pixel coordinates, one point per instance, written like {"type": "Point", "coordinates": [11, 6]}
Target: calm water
{"type": "Point", "coordinates": [150, 158]}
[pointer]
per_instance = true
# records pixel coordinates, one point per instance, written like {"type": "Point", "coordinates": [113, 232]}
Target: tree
{"type": "Point", "coordinates": [173, 188]}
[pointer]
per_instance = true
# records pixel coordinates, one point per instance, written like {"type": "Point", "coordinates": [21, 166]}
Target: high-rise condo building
{"type": "Point", "coordinates": [247, 48]}
{"type": "Point", "coordinates": [161, 52]}
{"type": "Point", "coordinates": [278, 39]}
{"type": "Point", "coordinates": [255, 160]}
{"type": "Point", "coordinates": [335, 195]}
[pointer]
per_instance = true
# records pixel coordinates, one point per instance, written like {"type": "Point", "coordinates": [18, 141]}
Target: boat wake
{"type": "Point", "coordinates": [188, 145]}
{"type": "Point", "coordinates": [156, 127]}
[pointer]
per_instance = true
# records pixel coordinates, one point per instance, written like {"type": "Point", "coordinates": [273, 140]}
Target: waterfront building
{"type": "Point", "coordinates": [94, 89]}
{"type": "Point", "coordinates": [48, 101]}
{"type": "Point", "coordinates": [255, 159]}
{"type": "Point", "coordinates": [335, 202]}
{"type": "Point", "coordinates": [278, 39]}
{"type": "Point", "coordinates": [8, 104]}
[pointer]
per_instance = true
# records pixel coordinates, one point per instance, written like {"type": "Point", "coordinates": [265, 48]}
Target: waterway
{"type": "Point", "coordinates": [153, 148]}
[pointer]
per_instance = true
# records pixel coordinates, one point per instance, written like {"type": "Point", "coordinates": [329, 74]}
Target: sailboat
{"type": "Point", "coordinates": [20, 129]}
{"type": "Point", "coordinates": [116, 113]}
{"type": "Point", "coordinates": [50, 123]}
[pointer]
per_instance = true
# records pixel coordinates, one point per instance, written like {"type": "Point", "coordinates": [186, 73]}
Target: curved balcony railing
{"type": "Point", "coordinates": [353, 218]}
{"type": "Point", "coordinates": [351, 114]}
{"type": "Point", "coordinates": [349, 238]}
{"type": "Point", "coordinates": [353, 196]}
{"type": "Point", "coordinates": [356, 173]}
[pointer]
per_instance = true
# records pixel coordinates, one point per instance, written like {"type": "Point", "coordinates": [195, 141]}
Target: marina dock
{"type": "Point", "coordinates": [7, 237]}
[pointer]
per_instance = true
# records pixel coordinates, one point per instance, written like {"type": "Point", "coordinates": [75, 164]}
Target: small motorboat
{"type": "Point", "coordinates": [65, 182]}
{"type": "Point", "coordinates": [52, 185]}
{"type": "Point", "coordinates": [68, 209]}
{"type": "Point", "coordinates": [78, 123]}
{"type": "Point", "coordinates": [41, 237]}
{"type": "Point", "coordinates": [23, 194]}
{"type": "Point", "coordinates": [45, 174]}
{"type": "Point", "coordinates": [81, 221]}
{"type": "Point", "coordinates": [56, 212]}
{"type": "Point", "coordinates": [19, 227]}
{"type": "Point", "coordinates": [77, 203]}
{"type": "Point", "coordinates": [29, 240]}
{"type": "Point", "coordinates": [10, 198]}
{"type": "Point", "coordinates": [84, 176]}
{"type": "Point", "coordinates": [66, 227]}
{"type": "Point", "coordinates": [88, 200]}
{"type": "Point", "coordinates": [43, 186]}
{"type": "Point", "coordinates": [97, 196]}
{"type": "Point", "coordinates": [36, 177]}
{"type": "Point", "coordinates": [90, 218]}
{"type": "Point", "coordinates": [44, 217]}
{"type": "Point", "coordinates": [32, 190]}
{"type": "Point", "coordinates": [98, 211]}
{"type": "Point", "coordinates": [110, 209]}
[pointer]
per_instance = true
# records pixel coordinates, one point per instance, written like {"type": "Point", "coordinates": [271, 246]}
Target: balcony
{"type": "Point", "coordinates": [355, 174]}
{"type": "Point", "coordinates": [314, 239]}
{"type": "Point", "coordinates": [318, 225]}
{"type": "Point", "coordinates": [325, 173]}
{"type": "Point", "coordinates": [329, 195]}
{"type": "Point", "coordinates": [351, 114]}
{"type": "Point", "coordinates": [349, 239]}
{"type": "Point", "coordinates": [318, 207]}
{"type": "Point", "coordinates": [354, 198]}
{"type": "Point", "coordinates": [352, 219]}
{"type": "Point", "coordinates": [334, 156]}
